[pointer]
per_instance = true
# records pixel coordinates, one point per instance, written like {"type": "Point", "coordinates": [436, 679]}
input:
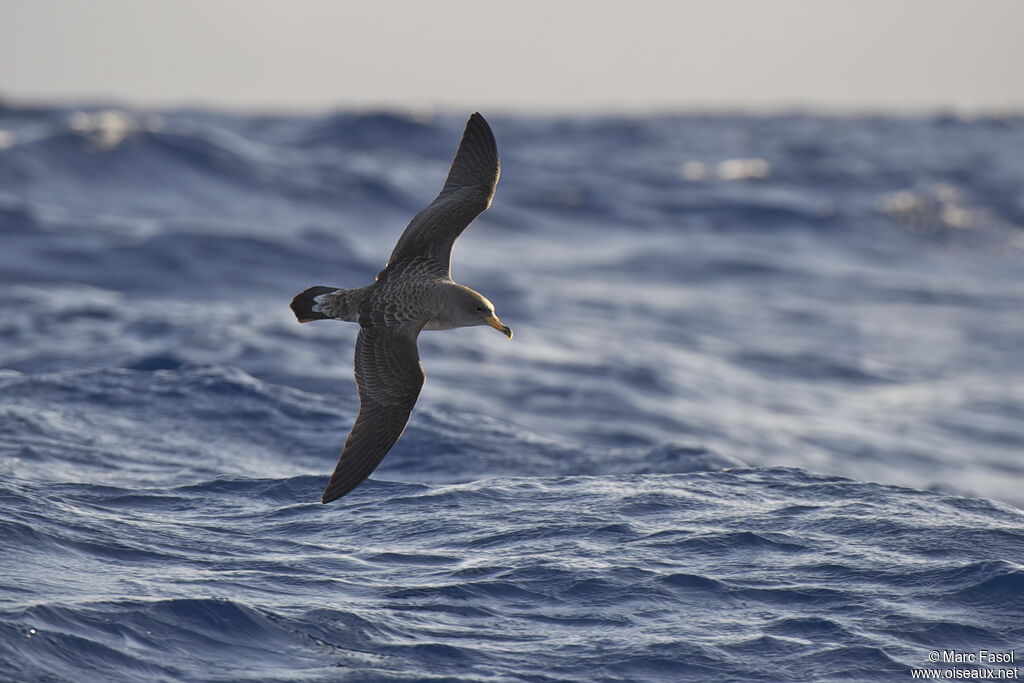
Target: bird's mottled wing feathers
{"type": "Point", "coordinates": [467, 192]}
{"type": "Point", "coordinates": [389, 377]}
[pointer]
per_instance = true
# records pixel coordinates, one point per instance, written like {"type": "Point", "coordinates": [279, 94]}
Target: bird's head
{"type": "Point", "coordinates": [472, 308]}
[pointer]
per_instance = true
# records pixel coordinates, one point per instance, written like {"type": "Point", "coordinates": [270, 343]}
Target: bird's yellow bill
{"type": "Point", "coordinates": [494, 322]}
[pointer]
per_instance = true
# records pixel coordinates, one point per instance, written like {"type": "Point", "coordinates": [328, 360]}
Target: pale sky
{"type": "Point", "coordinates": [517, 55]}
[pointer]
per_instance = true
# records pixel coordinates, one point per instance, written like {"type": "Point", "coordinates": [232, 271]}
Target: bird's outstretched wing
{"type": "Point", "coordinates": [467, 192]}
{"type": "Point", "coordinates": [389, 377]}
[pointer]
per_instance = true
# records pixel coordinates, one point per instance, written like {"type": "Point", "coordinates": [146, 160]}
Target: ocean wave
{"type": "Point", "coordinates": [763, 396]}
{"type": "Point", "coordinates": [577, 562]}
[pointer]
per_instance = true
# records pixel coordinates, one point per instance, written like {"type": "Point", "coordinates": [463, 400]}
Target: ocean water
{"type": "Point", "coordinates": [762, 418]}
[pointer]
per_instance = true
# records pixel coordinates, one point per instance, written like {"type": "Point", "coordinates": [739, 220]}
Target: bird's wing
{"type": "Point", "coordinates": [467, 192]}
{"type": "Point", "coordinates": [389, 377]}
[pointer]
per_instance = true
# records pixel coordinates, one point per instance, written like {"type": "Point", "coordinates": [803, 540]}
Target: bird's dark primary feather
{"type": "Point", "coordinates": [466, 194]}
{"type": "Point", "coordinates": [389, 378]}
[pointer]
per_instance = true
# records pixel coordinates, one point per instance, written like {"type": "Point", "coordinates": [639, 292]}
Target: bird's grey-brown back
{"type": "Point", "coordinates": [414, 292]}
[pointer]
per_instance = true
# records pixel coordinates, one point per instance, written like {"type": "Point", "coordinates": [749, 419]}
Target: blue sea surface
{"type": "Point", "coordinates": [762, 418]}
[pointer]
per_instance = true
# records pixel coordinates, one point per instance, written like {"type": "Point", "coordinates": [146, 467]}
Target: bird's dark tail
{"type": "Point", "coordinates": [305, 305]}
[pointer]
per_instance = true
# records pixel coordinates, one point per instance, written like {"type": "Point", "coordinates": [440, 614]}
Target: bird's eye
{"type": "Point", "coordinates": [480, 309]}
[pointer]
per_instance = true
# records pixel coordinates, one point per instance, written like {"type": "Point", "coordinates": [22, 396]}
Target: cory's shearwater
{"type": "Point", "coordinates": [414, 292]}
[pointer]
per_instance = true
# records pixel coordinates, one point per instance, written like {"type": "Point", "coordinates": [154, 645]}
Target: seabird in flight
{"type": "Point", "coordinates": [414, 292]}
